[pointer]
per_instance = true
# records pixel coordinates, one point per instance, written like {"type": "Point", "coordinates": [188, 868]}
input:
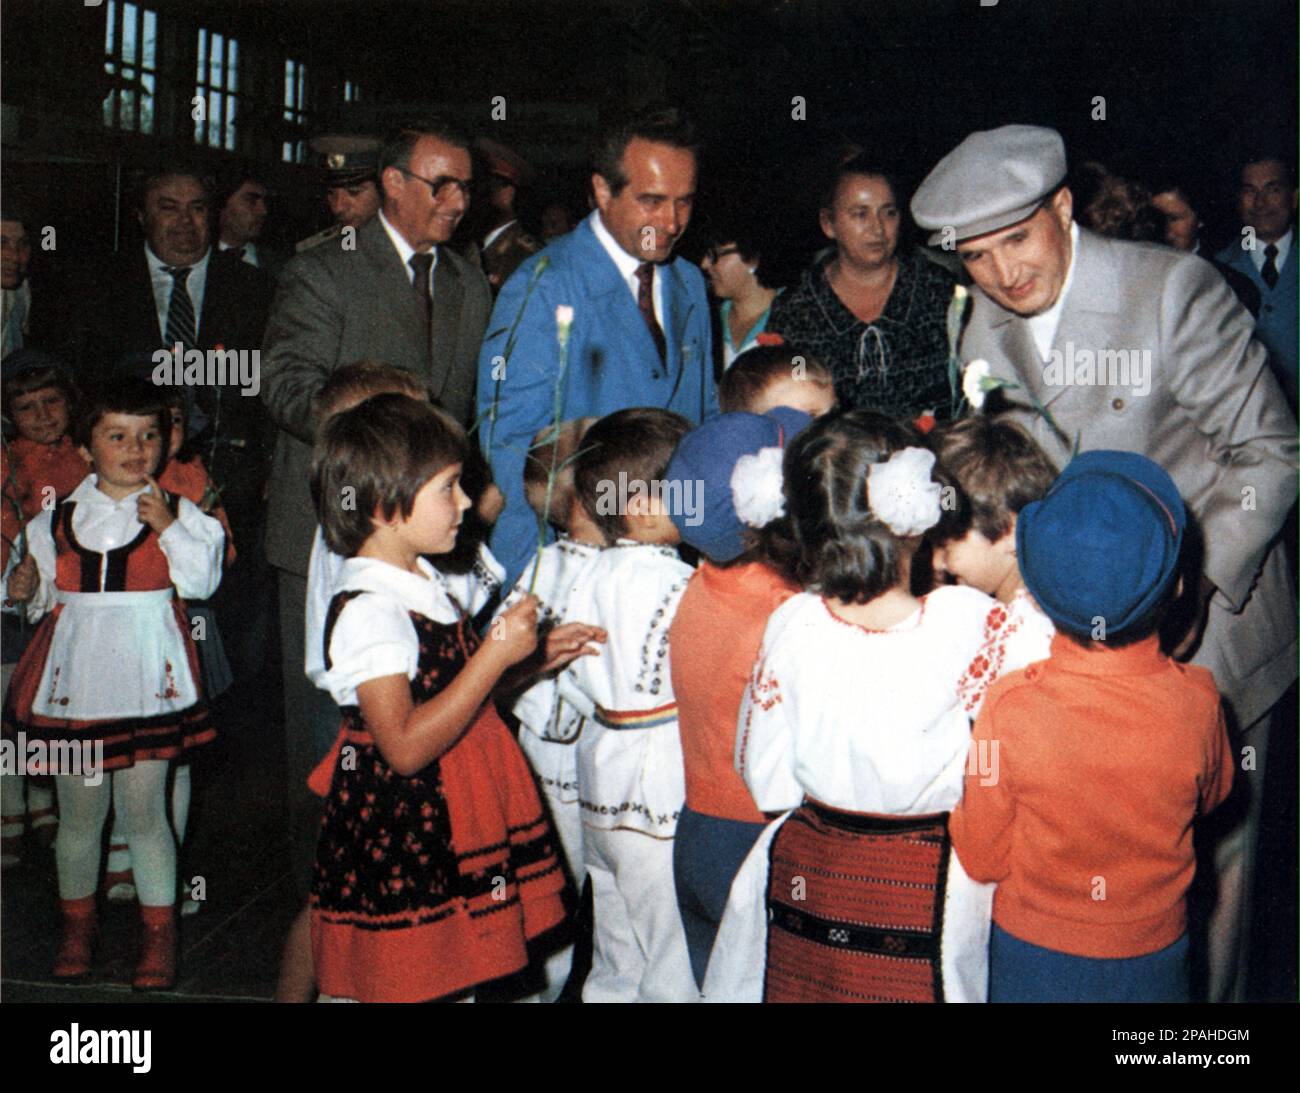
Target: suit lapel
{"type": "Point", "coordinates": [393, 285]}
{"type": "Point", "coordinates": [610, 295]}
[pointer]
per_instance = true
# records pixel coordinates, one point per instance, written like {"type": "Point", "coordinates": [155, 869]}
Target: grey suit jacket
{"type": "Point", "coordinates": [1154, 354]}
{"type": "Point", "coordinates": [335, 306]}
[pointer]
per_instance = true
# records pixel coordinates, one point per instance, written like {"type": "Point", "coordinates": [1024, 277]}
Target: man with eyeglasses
{"type": "Point", "coordinates": [1266, 200]}
{"type": "Point", "coordinates": [386, 290]}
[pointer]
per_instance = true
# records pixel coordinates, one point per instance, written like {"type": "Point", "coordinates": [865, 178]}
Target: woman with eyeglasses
{"type": "Point", "coordinates": [876, 318]}
{"type": "Point", "coordinates": [737, 276]}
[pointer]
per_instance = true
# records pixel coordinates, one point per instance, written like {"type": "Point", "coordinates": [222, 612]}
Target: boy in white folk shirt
{"type": "Point", "coordinates": [550, 726]}
{"type": "Point", "coordinates": [631, 784]}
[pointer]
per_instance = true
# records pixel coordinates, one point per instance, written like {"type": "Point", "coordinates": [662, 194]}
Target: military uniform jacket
{"type": "Point", "coordinates": [334, 306]}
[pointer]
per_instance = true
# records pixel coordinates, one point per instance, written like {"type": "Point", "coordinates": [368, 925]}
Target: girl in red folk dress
{"type": "Point", "coordinates": [37, 466]}
{"type": "Point", "coordinates": [436, 863]}
{"type": "Point", "coordinates": [112, 667]}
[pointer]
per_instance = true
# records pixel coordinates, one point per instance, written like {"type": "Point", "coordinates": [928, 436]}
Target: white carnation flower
{"type": "Point", "coordinates": [756, 485]}
{"type": "Point", "coordinates": [975, 382]}
{"type": "Point", "coordinates": [901, 494]}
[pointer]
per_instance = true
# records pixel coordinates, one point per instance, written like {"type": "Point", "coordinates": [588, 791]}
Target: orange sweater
{"type": "Point", "coordinates": [1097, 762]}
{"type": "Point", "coordinates": [714, 642]}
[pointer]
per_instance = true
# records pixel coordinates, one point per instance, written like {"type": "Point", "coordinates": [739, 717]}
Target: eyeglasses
{"type": "Point", "coordinates": [442, 186]}
{"type": "Point", "coordinates": [714, 253]}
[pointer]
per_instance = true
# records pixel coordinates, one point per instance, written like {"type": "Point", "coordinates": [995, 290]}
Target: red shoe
{"type": "Point", "coordinates": [77, 946]}
{"type": "Point", "coordinates": [157, 968]}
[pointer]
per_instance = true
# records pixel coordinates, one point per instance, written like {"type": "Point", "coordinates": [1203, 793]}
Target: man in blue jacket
{"type": "Point", "coordinates": [1267, 203]}
{"type": "Point", "coordinates": [640, 334]}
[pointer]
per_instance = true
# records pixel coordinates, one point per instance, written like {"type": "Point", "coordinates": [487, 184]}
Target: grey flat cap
{"type": "Point", "coordinates": [991, 180]}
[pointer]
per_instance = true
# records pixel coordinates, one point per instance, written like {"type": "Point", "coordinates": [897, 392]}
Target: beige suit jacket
{"type": "Point", "coordinates": [1154, 354]}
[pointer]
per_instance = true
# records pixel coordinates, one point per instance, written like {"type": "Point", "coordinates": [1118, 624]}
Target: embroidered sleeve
{"type": "Point", "coordinates": [765, 741]}
{"type": "Point", "coordinates": [653, 678]}
{"type": "Point", "coordinates": [988, 663]}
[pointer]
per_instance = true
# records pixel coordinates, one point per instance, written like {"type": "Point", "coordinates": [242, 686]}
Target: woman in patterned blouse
{"type": "Point", "coordinates": [874, 318]}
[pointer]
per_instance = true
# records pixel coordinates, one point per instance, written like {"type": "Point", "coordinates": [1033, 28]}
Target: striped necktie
{"type": "Point", "coordinates": [180, 310]}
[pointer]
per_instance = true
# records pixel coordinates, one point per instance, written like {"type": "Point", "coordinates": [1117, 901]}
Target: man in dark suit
{"type": "Point", "coordinates": [388, 291]}
{"type": "Point", "coordinates": [1266, 254]}
{"type": "Point", "coordinates": [242, 210]}
{"type": "Point", "coordinates": [176, 289]}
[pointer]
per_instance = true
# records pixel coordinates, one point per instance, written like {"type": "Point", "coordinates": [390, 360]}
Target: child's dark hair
{"type": "Point", "coordinates": [362, 379]}
{"type": "Point", "coordinates": [755, 369]}
{"type": "Point", "coordinates": [998, 469]}
{"type": "Point", "coordinates": [561, 447]}
{"type": "Point", "coordinates": [375, 458]}
{"type": "Point", "coordinates": [844, 551]}
{"type": "Point", "coordinates": [637, 443]}
{"type": "Point", "coordinates": [121, 395]}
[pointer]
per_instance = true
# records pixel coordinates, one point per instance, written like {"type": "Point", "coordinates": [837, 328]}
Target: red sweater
{"type": "Point", "coordinates": [1097, 762]}
{"type": "Point", "coordinates": [26, 468]}
{"type": "Point", "coordinates": [714, 641]}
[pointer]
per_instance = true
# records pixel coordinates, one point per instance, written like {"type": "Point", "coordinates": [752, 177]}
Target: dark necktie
{"type": "Point", "coordinates": [421, 264]}
{"type": "Point", "coordinates": [180, 310]}
{"type": "Point", "coordinates": [645, 300]}
{"type": "Point", "coordinates": [1269, 272]}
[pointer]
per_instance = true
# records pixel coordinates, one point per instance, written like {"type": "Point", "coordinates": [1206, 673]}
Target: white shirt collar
{"type": "Point", "coordinates": [158, 266]}
{"type": "Point", "coordinates": [1283, 249]}
{"type": "Point", "coordinates": [250, 254]}
{"type": "Point", "coordinates": [426, 595]}
{"type": "Point", "coordinates": [404, 249]}
{"type": "Point", "coordinates": [195, 285]}
{"type": "Point", "coordinates": [1043, 326]}
{"type": "Point", "coordinates": [89, 493]}
{"type": "Point", "coordinates": [627, 265]}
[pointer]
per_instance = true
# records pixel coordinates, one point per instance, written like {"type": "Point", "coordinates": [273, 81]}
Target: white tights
{"type": "Point", "coordinates": [138, 796]}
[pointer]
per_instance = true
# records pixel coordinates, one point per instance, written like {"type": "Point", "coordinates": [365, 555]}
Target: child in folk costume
{"type": "Point", "coordinates": [1108, 751]}
{"type": "Point", "coordinates": [744, 575]}
{"type": "Point", "coordinates": [630, 782]}
{"type": "Point", "coordinates": [184, 475]}
{"type": "Point", "coordinates": [38, 466]}
{"type": "Point", "coordinates": [776, 374]}
{"type": "Point", "coordinates": [436, 863]}
{"type": "Point", "coordinates": [550, 726]}
{"type": "Point", "coordinates": [855, 718]}
{"type": "Point", "coordinates": [998, 470]}
{"type": "Point", "coordinates": [114, 664]}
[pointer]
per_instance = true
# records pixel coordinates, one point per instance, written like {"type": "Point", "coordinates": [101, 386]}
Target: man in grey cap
{"type": "Point", "coordinates": [1141, 348]}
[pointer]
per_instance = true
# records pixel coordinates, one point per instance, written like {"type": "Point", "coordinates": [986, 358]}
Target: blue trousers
{"type": "Point", "coordinates": [1021, 972]}
{"type": "Point", "coordinates": [708, 852]}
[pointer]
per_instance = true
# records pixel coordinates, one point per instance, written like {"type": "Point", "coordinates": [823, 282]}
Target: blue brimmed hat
{"type": "Point", "coordinates": [708, 454]}
{"type": "Point", "coordinates": [1103, 543]}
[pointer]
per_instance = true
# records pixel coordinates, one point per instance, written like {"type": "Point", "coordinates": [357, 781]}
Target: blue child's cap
{"type": "Point", "coordinates": [708, 455]}
{"type": "Point", "coordinates": [1104, 542]}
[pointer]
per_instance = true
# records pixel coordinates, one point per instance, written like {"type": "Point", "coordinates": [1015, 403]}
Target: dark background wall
{"type": "Point", "coordinates": [1186, 83]}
